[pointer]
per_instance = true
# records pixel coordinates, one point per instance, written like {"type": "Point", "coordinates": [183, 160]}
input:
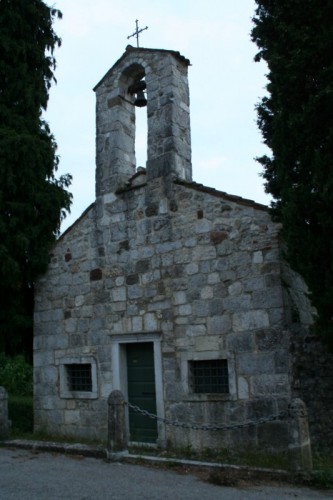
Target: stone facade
{"type": "Point", "coordinates": [159, 259]}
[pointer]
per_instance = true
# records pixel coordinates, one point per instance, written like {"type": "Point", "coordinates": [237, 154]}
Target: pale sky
{"type": "Point", "coordinates": [225, 84]}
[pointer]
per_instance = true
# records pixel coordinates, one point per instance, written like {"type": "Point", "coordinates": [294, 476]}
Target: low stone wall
{"type": "Point", "coordinates": [297, 444]}
{"type": "Point", "coordinates": [5, 424]}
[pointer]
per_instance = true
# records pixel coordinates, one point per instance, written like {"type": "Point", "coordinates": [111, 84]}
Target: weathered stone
{"type": "Point", "coordinates": [275, 385]}
{"type": "Point", "coordinates": [269, 298]}
{"type": "Point", "coordinates": [185, 310]}
{"type": "Point", "coordinates": [134, 292]}
{"type": "Point", "coordinates": [207, 343]}
{"type": "Point", "coordinates": [207, 292]}
{"type": "Point", "coordinates": [218, 236]}
{"type": "Point", "coordinates": [193, 272]}
{"type": "Point", "coordinates": [250, 320]}
{"type": "Point", "coordinates": [250, 364]}
{"type": "Point", "coordinates": [235, 288]}
{"type": "Point", "coordinates": [243, 388]}
{"type": "Point", "coordinates": [257, 257]}
{"type": "Point", "coordinates": [213, 278]}
{"type": "Point", "coordinates": [240, 342]}
{"type": "Point", "coordinates": [299, 443]}
{"type": "Point", "coordinates": [119, 294]}
{"type": "Point", "coordinates": [150, 322]}
{"type": "Point", "coordinates": [179, 298]}
{"type": "Point", "coordinates": [219, 325]}
{"type": "Point", "coordinates": [202, 226]}
{"type": "Point", "coordinates": [195, 330]}
{"type": "Point", "coordinates": [117, 430]}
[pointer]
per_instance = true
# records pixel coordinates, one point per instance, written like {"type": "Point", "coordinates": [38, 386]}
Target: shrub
{"type": "Point", "coordinates": [16, 375]}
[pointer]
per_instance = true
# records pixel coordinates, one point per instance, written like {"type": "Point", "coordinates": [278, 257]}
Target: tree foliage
{"type": "Point", "coordinates": [295, 38]}
{"type": "Point", "coordinates": [16, 375]}
{"type": "Point", "coordinates": [32, 200]}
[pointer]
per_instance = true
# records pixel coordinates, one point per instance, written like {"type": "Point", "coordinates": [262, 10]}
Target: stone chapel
{"type": "Point", "coordinates": [170, 291]}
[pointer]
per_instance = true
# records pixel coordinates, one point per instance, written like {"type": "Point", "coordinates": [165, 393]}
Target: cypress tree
{"type": "Point", "coordinates": [32, 200]}
{"type": "Point", "coordinates": [295, 38]}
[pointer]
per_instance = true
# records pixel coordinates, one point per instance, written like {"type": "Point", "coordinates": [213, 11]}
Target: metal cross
{"type": "Point", "coordinates": [136, 32]}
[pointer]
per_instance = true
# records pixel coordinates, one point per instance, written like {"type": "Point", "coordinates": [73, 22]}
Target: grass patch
{"type": "Point", "coordinates": [250, 458]}
{"type": "Point", "coordinates": [223, 456]}
{"type": "Point", "coordinates": [323, 461]}
{"type": "Point", "coordinates": [29, 434]}
{"type": "Point", "coordinates": [322, 475]}
{"type": "Point", "coordinates": [322, 479]}
{"type": "Point", "coordinates": [262, 460]}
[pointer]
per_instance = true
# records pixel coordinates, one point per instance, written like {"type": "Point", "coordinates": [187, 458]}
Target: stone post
{"type": "Point", "coordinates": [5, 424]}
{"type": "Point", "coordinates": [117, 429]}
{"type": "Point", "coordinates": [299, 437]}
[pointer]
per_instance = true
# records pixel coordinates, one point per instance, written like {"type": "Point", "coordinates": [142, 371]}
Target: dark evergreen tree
{"type": "Point", "coordinates": [32, 200]}
{"type": "Point", "coordinates": [295, 38]}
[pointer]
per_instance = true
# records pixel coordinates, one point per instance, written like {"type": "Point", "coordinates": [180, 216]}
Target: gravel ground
{"type": "Point", "coordinates": [25, 474]}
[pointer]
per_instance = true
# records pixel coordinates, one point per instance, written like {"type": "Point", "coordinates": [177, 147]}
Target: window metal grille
{"type": "Point", "coordinates": [79, 377]}
{"type": "Point", "coordinates": [210, 376]}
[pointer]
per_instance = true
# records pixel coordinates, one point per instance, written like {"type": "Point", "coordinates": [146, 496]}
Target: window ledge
{"type": "Point", "coordinates": [78, 395]}
{"type": "Point", "coordinates": [209, 397]}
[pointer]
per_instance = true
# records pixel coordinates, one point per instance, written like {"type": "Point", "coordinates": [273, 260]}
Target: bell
{"type": "Point", "coordinates": [140, 100]}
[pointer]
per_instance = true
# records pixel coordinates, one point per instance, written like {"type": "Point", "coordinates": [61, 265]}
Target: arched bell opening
{"type": "Point", "coordinates": [133, 85]}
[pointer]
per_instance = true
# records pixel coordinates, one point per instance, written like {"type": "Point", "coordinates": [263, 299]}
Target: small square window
{"type": "Point", "coordinates": [79, 377]}
{"type": "Point", "coordinates": [209, 376]}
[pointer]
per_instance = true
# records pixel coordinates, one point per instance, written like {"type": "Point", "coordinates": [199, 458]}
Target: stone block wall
{"type": "Point", "coordinates": [198, 269]}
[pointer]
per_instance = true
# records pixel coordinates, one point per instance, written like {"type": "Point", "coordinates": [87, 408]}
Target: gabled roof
{"type": "Point", "coordinates": [222, 194]}
{"type": "Point", "coordinates": [189, 184]}
{"type": "Point", "coordinates": [198, 187]}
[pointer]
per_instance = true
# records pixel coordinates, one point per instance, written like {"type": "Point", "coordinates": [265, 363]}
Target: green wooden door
{"type": "Point", "coordinates": [141, 391]}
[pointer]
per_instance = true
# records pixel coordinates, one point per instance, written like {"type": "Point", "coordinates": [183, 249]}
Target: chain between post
{"type": "Point", "coordinates": [212, 427]}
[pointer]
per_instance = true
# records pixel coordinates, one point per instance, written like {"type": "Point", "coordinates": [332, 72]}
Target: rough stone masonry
{"type": "Point", "coordinates": [159, 259]}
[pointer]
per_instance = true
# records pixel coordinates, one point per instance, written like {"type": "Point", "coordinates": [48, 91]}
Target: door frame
{"type": "Point", "coordinates": [119, 372]}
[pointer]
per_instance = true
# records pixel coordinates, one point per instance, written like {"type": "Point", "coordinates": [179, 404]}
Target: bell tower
{"type": "Point", "coordinates": [156, 78]}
